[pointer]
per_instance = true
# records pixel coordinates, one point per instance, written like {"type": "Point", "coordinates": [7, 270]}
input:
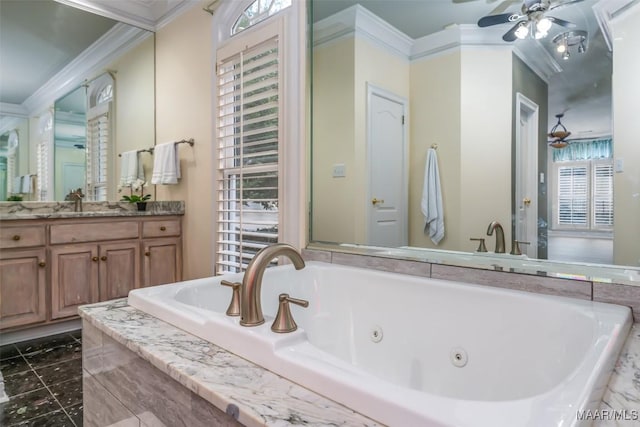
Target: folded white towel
{"type": "Point", "coordinates": [166, 165]}
{"type": "Point", "coordinates": [431, 204]}
{"type": "Point", "coordinates": [26, 185]}
{"type": "Point", "coordinates": [131, 169]}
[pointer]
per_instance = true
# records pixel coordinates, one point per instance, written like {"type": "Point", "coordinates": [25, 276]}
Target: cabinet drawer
{"type": "Point", "coordinates": [22, 236]}
{"type": "Point", "coordinates": [165, 228]}
{"type": "Point", "coordinates": [92, 232]}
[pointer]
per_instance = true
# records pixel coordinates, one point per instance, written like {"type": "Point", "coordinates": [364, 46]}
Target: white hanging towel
{"type": "Point", "coordinates": [431, 204]}
{"type": "Point", "coordinates": [131, 169]}
{"type": "Point", "coordinates": [26, 184]}
{"type": "Point", "coordinates": [166, 165]}
{"type": "Point", "coordinates": [17, 185]}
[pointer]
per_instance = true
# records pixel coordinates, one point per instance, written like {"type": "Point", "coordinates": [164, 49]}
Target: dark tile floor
{"type": "Point", "coordinates": [43, 379]}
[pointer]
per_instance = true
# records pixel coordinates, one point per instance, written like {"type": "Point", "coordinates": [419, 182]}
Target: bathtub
{"type": "Point", "coordinates": [411, 351]}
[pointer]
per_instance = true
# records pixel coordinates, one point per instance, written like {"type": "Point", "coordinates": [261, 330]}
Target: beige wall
{"type": "Point", "coordinates": [449, 95]}
{"type": "Point", "coordinates": [184, 110]}
{"type": "Point", "coordinates": [485, 144]}
{"type": "Point", "coordinates": [134, 110]}
{"type": "Point", "coordinates": [435, 119]}
{"type": "Point", "coordinates": [626, 130]}
{"type": "Point", "coordinates": [333, 136]}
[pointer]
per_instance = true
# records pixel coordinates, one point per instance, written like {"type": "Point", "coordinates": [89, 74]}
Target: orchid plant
{"type": "Point", "coordinates": [135, 198]}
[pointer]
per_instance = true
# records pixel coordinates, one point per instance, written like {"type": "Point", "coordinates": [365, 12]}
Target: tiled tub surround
{"type": "Point", "coordinates": [595, 290]}
{"type": "Point", "coordinates": [114, 331]}
{"type": "Point", "coordinates": [130, 355]}
{"type": "Point", "coordinates": [42, 210]}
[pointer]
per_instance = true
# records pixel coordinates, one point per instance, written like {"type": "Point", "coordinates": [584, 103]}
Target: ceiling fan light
{"type": "Point", "coordinates": [523, 31]}
{"type": "Point", "coordinates": [544, 25]}
{"type": "Point", "coordinates": [561, 48]}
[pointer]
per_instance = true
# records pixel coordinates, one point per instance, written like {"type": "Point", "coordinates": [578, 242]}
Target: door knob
{"type": "Point", "coordinates": [94, 259]}
{"type": "Point", "coordinates": [375, 201]}
{"type": "Point", "coordinates": [526, 201]}
{"type": "Point", "coordinates": [103, 257]}
{"type": "Point", "coordinates": [42, 264]}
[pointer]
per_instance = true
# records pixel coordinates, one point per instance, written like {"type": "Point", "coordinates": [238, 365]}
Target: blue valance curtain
{"type": "Point", "coordinates": [585, 150]}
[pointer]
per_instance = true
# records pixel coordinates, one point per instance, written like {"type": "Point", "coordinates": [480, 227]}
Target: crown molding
{"type": "Point", "coordinates": [8, 123]}
{"type": "Point", "coordinates": [14, 110]}
{"type": "Point", "coordinates": [120, 39]}
{"type": "Point", "coordinates": [359, 22]}
{"type": "Point", "coordinates": [607, 11]}
{"type": "Point", "coordinates": [150, 15]}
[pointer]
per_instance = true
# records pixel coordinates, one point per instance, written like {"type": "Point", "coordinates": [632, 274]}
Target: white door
{"type": "Point", "coordinates": [526, 203]}
{"type": "Point", "coordinates": [73, 177]}
{"type": "Point", "coordinates": [388, 188]}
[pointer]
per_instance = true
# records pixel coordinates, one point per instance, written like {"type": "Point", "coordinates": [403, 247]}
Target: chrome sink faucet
{"type": "Point", "coordinates": [250, 296]}
{"type": "Point", "coordinates": [495, 225]}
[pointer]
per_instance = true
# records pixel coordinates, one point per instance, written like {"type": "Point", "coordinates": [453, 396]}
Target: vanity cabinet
{"type": "Point", "coordinates": [49, 267]}
{"type": "Point", "coordinates": [22, 287]}
{"type": "Point", "coordinates": [162, 248]}
{"type": "Point", "coordinates": [88, 273]}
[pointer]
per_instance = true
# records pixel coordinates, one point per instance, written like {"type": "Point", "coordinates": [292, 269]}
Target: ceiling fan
{"type": "Point", "coordinates": [531, 20]}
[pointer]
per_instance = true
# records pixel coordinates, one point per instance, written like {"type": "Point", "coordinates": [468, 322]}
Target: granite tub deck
{"type": "Point", "coordinates": [257, 397]}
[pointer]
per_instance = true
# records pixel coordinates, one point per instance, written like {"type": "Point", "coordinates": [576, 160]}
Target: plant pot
{"type": "Point", "coordinates": [142, 206]}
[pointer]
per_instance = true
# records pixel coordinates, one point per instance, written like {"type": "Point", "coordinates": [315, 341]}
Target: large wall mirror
{"type": "Point", "coordinates": [78, 89]}
{"type": "Point", "coordinates": [396, 80]}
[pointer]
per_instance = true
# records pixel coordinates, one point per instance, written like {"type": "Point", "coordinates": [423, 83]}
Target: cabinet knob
{"type": "Point", "coordinates": [16, 237]}
{"type": "Point", "coordinates": [103, 257]}
{"type": "Point", "coordinates": [94, 259]}
{"type": "Point", "coordinates": [147, 253]}
{"type": "Point", "coordinates": [42, 263]}
{"type": "Point", "coordinates": [163, 228]}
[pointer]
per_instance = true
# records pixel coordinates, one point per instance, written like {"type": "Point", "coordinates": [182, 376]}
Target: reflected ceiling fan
{"type": "Point", "coordinates": [531, 21]}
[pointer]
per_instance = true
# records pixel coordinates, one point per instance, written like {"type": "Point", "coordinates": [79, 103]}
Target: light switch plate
{"type": "Point", "coordinates": [619, 164]}
{"type": "Point", "coordinates": [339, 170]}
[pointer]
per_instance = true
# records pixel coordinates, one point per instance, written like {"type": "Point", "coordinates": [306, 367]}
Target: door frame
{"type": "Point", "coordinates": [527, 110]}
{"type": "Point", "coordinates": [372, 90]}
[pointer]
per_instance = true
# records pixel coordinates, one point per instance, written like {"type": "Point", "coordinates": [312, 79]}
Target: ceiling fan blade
{"type": "Point", "coordinates": [561, 22]}
{"type": "Point", "coordinates": [563, 3]}
{"type": "Point", "coordinates": [497, 19]}
{"type": "Point", "coordinates": [510, 35]}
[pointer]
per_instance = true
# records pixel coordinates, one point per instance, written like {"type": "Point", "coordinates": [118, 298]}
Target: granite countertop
{"type": "Point", "coordinates": [47, 210]}
{"type": "Point", "coordinates": [223, 378]}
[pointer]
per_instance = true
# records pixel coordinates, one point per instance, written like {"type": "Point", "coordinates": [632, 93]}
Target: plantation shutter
{"type": "Point", "coordinates": [573, 195]}
{"type": "Point", "coordinates": [603, 195]}
{"type": "Point", "coordinates": [42, 168]}
{"type": "Point", "coordinates": [248, 153]}
{"type": "Point", "coordinates": [97, 152]}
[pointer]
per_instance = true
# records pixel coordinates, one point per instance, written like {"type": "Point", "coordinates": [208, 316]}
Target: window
{"type": "Point", "coordinates": [45, 126]}
{"type": "Point", "coordinates": [258, 11]}
{"type": "Point", "coordinates": [584, 194]}
{"type": "Point", "coordinates": [101, 93]}
{"type": "Point", "coordinates": [248, 197]}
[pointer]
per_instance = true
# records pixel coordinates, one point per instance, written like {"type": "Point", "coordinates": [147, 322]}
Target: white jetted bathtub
{"type": "Point", "coordinates": [410, 351]}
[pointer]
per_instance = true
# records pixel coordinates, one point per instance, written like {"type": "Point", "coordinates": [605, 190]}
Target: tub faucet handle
{"type": "Point", "coordinates": [234, 305]}
{"type": "Point", "coordinates": [515, 247]}
{"type": "Point", "coordinates": [481, 245]}
{"type": "Point", "coordinates": [284, 320]}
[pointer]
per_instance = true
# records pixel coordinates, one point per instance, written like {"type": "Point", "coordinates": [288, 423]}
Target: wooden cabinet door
{"type": "Point", "coordinates": [22, 287]}
{"type": "Point", "coordinates": [162, 261]}
{"type": "Point", "coordinates": [119, 269]}
{"type": "Point", "coordinates": [74, 278]}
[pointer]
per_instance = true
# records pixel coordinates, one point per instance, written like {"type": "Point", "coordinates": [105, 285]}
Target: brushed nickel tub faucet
{"type": "Point", "coordinates": [495, 225]}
